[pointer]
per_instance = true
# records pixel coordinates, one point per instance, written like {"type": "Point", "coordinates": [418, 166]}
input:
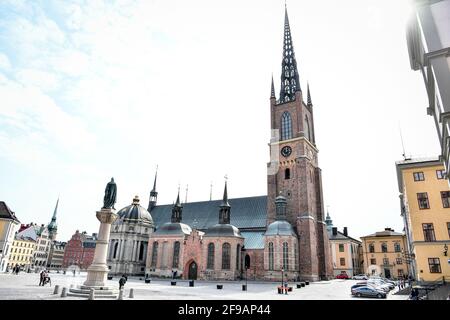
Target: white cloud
{"type": "Point", "coordinates": [4, 62]}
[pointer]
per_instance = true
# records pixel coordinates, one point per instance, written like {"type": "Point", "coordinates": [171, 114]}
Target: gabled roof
{"type": "Point", "coordinates": [341, 236]}
{"type": "Point", "coordinates": [246, 213]}
{"type": "Point", "coordinates": [30, 233]}
{"type": "Point", "coordinates": [6, 213]}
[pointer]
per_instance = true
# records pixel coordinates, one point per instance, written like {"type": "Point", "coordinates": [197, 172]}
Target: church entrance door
{"type": "Point", "coordinates": [192, 271]}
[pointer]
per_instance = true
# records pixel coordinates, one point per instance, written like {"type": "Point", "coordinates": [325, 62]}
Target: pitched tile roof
{"type": "Point", "coordinates": [6, 213]}
{"type": "Point", "coordinates": [246, 213]}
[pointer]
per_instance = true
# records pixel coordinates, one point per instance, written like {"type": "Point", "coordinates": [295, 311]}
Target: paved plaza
{"type": "Point", "coordinates": [25, 287]}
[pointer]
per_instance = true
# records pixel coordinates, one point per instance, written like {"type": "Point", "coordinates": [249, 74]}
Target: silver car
{"type": "Point", "coordinates": [360, 277]}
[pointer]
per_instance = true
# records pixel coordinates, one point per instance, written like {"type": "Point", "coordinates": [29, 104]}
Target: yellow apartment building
{"type": "Point", "coordinates": [9, 224]}
{"type": "Point", "coordinates": [21, 254]}
{"type": "Point", "coordinates": [425, 208]}
{"type": "Point", "coordinates": [383, 254]}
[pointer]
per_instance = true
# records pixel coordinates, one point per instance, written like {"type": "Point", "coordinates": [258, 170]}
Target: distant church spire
{"type": "Point", "coordinates": [177, 210]}
{"type": "Point", "coordinates": [225, 208]}
{"type": "Point", "coordinates": [328, 221]}
{"type": "Point", "coordinates": [308, 101]}
{"type": "Point", "coordinates": [290, 82]}
{"type": "Point", "coordinates": [153, 194]}
{"type": "Point", "coordinates": [52, 226]}
{"type": "Point", "coordinates": [272, 89]}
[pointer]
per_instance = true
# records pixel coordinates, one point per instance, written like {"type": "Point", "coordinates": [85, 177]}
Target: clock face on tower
{"type": "Point", "coordinates": [286, 151]}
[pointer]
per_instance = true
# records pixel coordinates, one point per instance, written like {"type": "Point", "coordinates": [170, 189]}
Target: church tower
{"type": "Point", "coordinates": [293, 168]}
{"type": "Point", "coordinates": [153, 195]}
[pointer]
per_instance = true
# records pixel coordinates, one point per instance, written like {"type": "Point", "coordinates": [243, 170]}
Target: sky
{"type": "Point", "coordinates": [91, 90]}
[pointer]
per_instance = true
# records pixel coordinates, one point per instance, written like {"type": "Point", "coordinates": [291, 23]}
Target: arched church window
{"type": "Point", "coordinates": [141, 251]}
{"type": "Point", "coordinates": [176, 254]}
{"type": "Point", "coordinates": [286, 126]}
{"type": "Point", "coordinates": [226, 256]}
{"type": "Point", "coordinates": [210, 262]}
{"type": "Point", "coordinates": [287, 173]}
{"type": "Point", "coordinates": [285, 256]}
{"type": "Point", "coordinates": [115, 250]}
{"type": "Point", "coordinates": [154, 254]}
{"type": "Point", "coordinates": [247, 261]}
{"type": "Point", "coordinates": [270, 255]}
{"type": "Point", "coordinates": [238, 255]}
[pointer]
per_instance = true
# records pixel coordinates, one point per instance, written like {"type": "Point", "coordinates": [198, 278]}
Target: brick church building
{"type": "Point", "coordinates": [259, 237]}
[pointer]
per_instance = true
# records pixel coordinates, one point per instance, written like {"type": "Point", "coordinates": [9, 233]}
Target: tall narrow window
{"type": "Point", "coordinates": [238, 255]}
{"type": "Point", "coordinates": [435, 265]}
{"type": "Point", "coordinates": [440, 174]}
{"type": "Point", "coordinates": [341, 247]}
{"type": "Point", "coordinates": [448, 229]}
{"type": "Point", "coordinates": [226, 256]}
{"type": "Point", "coordinates": [371, 248]}
{"type": "Point", "coordinates": [307, 129]}
{"type": "Point", "coordinates": [115, 250]}
{"type": "Point", "coordinates": [419, 176]}
{"type": "Point", "coordinates": [384, 247]}
{"type": "Point", "coordinates": [422, 198]}
{"type": "Point", "coordinates": [397, 247]}
{"type": "Point", "coordinates": [154, 254]}
{"type": "Point", "coordinates": [286, 126]}
{"type": "Point", "coordinates": [445, 195]}
{"type": "Point", "coordinates": [210, 262]}
{"type": "Point", "coordinates": [287, 173]}
{"type": "Point", "coordinates": [285, 256]}
{"type": "Point", "coordinates": [270, 255]}
{"type": "Point", "coordinates": [141, 251]}
{"type": "Point", "coordinates": [342, 261]}
{"type": "Point", "coordinates": [176, 254]}
{"type": "Point", "coordinates": [386, 261]}
{"type": "Point", "coordinates": [428, 232]}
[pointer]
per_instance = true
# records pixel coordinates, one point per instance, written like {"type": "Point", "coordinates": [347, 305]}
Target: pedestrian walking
{"type": "Point", "coordinates": [285, 287]}
{"type": "Point", "coordinates": [41, 275]}
{"type": "Point", "coordinates": [122, 282]}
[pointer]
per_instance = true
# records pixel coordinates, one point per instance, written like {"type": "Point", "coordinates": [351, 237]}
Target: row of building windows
{"type": "Point", "coordinates": [420, 176]}
{"type": "Point", "coordinates": [26, 251]}
{"type": "Point", "coordinates": [20, 258]}
{"type": "Point", "coordinates": [428, 231]}
{"type": "Point", "coordinates": [422, 198]}
{"type": "Point", "coordinates": [386, 261]}
{"type": "Point", "coordinates": [22, 244]}
{"type": "Point", "coordinates": [384, 247]}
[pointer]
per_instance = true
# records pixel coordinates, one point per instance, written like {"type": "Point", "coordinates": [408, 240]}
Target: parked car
{"type": "Point", "coordinates": [380, 284]}
{"type": "Point", "coordinates": [342, 276]}
{"type": "Point", "coordinates": [360, 277]}
{"type": "Point", "coordinates": [368, 292]}
{"type": "Point", "coordinates": [372, 285]}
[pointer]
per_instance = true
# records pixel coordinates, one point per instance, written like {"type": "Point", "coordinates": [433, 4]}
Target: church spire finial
{"type": "Point", "coordinates": [272, 89]}
{"type": "Point", "coordinates": [177, 209]}
{"type": "Point", "coordinates": [308, 101]}
{"type": "Point", "coordinates": [153, 193]}
{"type": "Point", "coordinates": [290, 82]}
{"type": "Point", "coordinates": [225, 208]}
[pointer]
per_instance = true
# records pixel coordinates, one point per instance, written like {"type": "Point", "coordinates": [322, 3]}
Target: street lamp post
{"type": "Point", "coordinates": [282, 277]}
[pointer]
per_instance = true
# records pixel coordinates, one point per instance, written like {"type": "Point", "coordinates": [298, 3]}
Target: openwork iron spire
{"type": "Point", "coordinates": [290, 82]}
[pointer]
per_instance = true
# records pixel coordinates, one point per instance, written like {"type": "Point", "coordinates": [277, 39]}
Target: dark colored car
{"type": "Point", "coordinates": [368, 292]}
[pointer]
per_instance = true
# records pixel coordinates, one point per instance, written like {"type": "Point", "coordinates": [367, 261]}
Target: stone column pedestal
{"type": "Point", "coordinates": [98, 271]}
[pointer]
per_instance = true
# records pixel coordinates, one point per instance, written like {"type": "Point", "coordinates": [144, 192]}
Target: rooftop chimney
{"type": "Point", "coordinates": [345, 231]}
{"type": "Point", "coordinates": [334, 231]}
{"type": "Point", "coordinates": [388, 229]}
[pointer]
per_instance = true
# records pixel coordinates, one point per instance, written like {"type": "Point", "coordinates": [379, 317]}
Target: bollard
{"type": "Point", "coordinates": [56, 289]}
{"type": "Point", "coordinates": [120, 295]}
{"type": "Point", "coordinates": [131, 293]}
{"type": "Point", "coordinates": [91, 295]}
{"type": "Point", "coordinates": [191, 283]}
{"type": "Point", "coordinates": [64, 292]}
{"type": "Point", "coordinates": [173, 283]}
{"type": "Point", "coordinates": [244, 287]}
